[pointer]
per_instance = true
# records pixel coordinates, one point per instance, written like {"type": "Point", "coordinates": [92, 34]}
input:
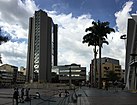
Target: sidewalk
{"type": "Point", "coordinates": [86, 96]}
{"type": "Point", "coordinates": [94, 96]}
{"type": "Point", "coordinates": [83, 101]}
{"type": "Point", "coordinates": [47, 96]}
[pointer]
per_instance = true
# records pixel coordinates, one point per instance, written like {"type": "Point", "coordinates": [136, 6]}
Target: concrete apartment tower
{"type": "Point", "coordinates": [42, 47]}
{"type": "Point", "coordinates": [131, 53]}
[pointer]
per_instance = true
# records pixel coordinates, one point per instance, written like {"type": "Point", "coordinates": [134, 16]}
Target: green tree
{"type": "Point", "coordinates": [102, 29]}
{"type": "Point", "coordinates": [3, 38]}
{"type": "Point", "coordinates": [96, 37]}
{"type": "Point", "coordinates": [112, 76]}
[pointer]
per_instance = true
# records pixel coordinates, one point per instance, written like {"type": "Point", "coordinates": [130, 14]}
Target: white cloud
{"type": "Point", "coordinates": [70, 33]}
{"type": "Point", "coordinates": [14, 53]}
{"type": "Point", "coordinates": [14, 16]}
{"type": "Point", "coordinates": [116, 48]}
{"type": "Point", "coordinates": [60, 6]}
{"type": "Point", "coordinates": [122, 17]}
{"type": "Point", "coordinates": [15, 22]}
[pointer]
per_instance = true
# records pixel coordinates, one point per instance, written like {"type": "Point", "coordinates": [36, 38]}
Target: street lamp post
{"type": "Point", "coordinates": [124, 37]}
{"type": "Point", "coordinates": [70, 77]}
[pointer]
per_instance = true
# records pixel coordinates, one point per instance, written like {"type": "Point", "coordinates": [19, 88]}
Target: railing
{"type": "Point", "coordinates": [133, 61]}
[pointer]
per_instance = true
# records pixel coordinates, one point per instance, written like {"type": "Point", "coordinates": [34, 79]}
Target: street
{"type": "Point", "coordinates": [85, 96]}
{"type": "Point", "coordinates": [93, 96]}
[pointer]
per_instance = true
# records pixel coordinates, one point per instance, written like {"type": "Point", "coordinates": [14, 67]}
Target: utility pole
{"type": "Point", "coordinates": [124, 37]}
{"type": "Point", "coordinates": [100, 66]}
{"type": "Point", "coordinates": [70, 77]}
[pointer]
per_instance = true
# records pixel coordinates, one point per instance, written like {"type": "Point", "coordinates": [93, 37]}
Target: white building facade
{"type": "Point", "coordinates": [131, 54]}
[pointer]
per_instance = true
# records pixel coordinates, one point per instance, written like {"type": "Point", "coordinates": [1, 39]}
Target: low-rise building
{"type": "Point", "coordinates": [107, 64]}
{"type": "Point", "coordinates": [9, 75]}
{"type": "Point", "coordinates": [110, 65]}
{"type": "Point", "coordinates": [73, 72]}
{"type": "Point", "coordinates": [6, 78]}
{"type": "Point", "coordinates": [21, 78]}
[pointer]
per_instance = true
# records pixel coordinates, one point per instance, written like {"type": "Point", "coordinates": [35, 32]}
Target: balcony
{"type": "Point", "coordinates": [133, 62]}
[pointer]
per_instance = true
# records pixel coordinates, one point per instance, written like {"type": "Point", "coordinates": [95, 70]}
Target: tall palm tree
{"type": "Point", "coordinates": [97, 36]}
{"type": "Point", "coordinates": [92, 40]}
{"type": "Point", "coordinates": [102, 29]}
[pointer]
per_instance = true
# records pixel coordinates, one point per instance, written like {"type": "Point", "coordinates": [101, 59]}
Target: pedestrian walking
{"type": "Point", "coordinates": [89, 85]}
{"type": "Point", "coordinates": [22, 95]}
{"type": "Point", "coordinates": [27, 95]}
{"type": "Point", "coordinates": [116, 85]}
{"type": "Point", "coordinates": [15, 95]}
{"type": "Point", "coordinates": [106, 85]}
{"type": "Point", "coordinates": [123, 86]}
{"type": "Point", "coordinates": [60, 94]}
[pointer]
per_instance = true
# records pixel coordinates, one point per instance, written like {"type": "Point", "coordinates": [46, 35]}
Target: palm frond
{"type": "Point", "coordinates": [99, 30]}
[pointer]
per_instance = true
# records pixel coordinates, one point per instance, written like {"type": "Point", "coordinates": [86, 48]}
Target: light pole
{"type": "Point", "coordinates": [70, 77]}
{"type": "Point", "coordinates": [124, 37]}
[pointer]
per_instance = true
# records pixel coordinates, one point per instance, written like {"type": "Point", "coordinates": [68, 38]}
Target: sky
{"type": "Point", "coordinates": [72, 17]}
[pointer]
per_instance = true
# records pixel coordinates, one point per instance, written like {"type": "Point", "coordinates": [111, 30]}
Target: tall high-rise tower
{"type": "Point", "coordinates": [42, 47]}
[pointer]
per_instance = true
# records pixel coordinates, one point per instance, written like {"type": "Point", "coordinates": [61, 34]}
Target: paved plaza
{"type": "Point", "coordinates": [85, 96]}
{"type": "Point", "coordinates": [93, 96]}
{"type": "Point", "coordinates": [47, 97]}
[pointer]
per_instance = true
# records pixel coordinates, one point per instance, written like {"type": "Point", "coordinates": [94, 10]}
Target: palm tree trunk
{"type": "Point", "coordinates": [95, 65]}
{"type": "Point", "coordinates": [100, 74]}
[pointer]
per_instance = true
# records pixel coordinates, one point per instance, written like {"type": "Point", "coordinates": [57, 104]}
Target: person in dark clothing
{"type": "Point", "coordinates": [37, 95]}
{"type": "Point", "coordinates": [60, 94]}
{"type": "Point", "coordinates": [122, 86]}
{"type": "Point", "coordinates": [66, 93]}
{"type": "Point", "coordinates": [22, 95]}
{"type": "Point", "coordinates": [106, 85]}
{"type": "Point", "coordinates": [89, 85]}
{"type": "Point", "coordinates": [27, 95]}
{"type": "Point", "coordinates": [15, 95]}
